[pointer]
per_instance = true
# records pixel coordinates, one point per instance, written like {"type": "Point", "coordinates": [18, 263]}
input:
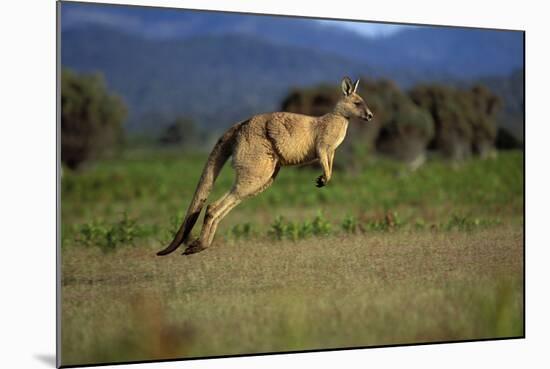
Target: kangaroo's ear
{"type": "Point", "coordinates": [355, 86]}
{"type": "Point", "coordinates": [347, 86]}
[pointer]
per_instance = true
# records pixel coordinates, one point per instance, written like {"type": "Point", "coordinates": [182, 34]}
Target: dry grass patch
{"type": "Point", "coordinates": [253, 296]}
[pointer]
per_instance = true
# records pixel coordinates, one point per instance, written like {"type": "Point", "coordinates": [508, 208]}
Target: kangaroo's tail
{"type": "Point", "coordinates": [216, 160]}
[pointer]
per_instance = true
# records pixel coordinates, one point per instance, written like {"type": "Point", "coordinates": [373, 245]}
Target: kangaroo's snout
{"type": "Point", "coordinates": [367, 115]}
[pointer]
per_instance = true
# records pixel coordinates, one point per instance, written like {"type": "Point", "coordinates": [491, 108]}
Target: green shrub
{"type": "Point", "coordinates": [350, 224]}
{"type": "Point", "coordinates": [109, 236]}
{"type": "Point", "coordinates": [241, 231]}
{"type": "Point", "coordinates": [463, 223]}
{"type": "Point", "coordinates": [321, 226]}
{"type": "Point", "coordinates": [419, 224]}
{"type": "Point", "coordinates": [281, 229]}
{"type": "Point", "coordinates": [305, 230]}
{"type": "Point", "coordinates": [390, 221]}
{"type": "Point", "coordinates": [91, 117]}
{"type": "Point", "coordinates": [278, 228]}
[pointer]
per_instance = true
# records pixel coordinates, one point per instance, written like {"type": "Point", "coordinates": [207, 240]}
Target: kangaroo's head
{"type": "Point", "coordinates": [351, 105]}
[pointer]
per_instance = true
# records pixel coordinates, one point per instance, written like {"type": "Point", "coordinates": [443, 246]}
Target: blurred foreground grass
{"type": "Point", "coordinates": [387, 288]}
{"type": "Point", "coordinates": [380, 256]}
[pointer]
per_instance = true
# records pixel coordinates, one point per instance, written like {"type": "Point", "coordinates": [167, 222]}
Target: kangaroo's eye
{"type": "Point", "coordinates": [357, 104]}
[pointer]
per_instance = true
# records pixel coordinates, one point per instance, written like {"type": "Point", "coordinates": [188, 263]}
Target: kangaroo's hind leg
{"type": "Point", "coordinates": [250, 180]}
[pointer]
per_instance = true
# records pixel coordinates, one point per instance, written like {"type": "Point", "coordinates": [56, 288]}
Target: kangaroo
{"type": "Point", "coordinates": [260, 146]}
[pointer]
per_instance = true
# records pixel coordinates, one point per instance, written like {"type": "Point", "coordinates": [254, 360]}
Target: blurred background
{"type": "Point", "coordinates": [182, 77]}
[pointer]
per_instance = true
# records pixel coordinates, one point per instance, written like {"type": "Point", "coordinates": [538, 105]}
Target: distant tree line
{"type": "Point", "coordinates": [457, 123]}
{"type": "Point", "coordinates": [182, 131]}
{"type": "Point", "coordinates": [91, 118]}
{"type": "Point", "coordinates": [92, 121]}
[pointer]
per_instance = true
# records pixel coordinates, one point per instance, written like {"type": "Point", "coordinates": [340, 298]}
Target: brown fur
{"type": "Point", "coordinates": [260, 146]}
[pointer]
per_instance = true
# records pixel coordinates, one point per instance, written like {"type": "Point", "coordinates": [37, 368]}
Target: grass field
{"type": "Point", "coordinates": [380, 256]}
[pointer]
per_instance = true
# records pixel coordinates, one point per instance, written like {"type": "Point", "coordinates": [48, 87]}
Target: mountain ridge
{"type": "Point", "coordinates": [164, 78]}
{"type": "Point", "coordinates": [182, 77]}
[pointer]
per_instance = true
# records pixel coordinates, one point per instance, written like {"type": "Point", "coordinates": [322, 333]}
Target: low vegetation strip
{"type": "Point", "coordinates": [116, 203]}
{"type": "Point", "coordinates": [126, 232]}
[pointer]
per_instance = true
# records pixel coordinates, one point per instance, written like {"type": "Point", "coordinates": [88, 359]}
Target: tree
{"type": "Point", "coordinates": [316, 100]}
{"type": "Point", "coordinates": [465, 120]}
{"type": "Point", "coordinates": [404, 129]}
{"type": "Point", "coordinates": [182, 131]}
{"type": "Point", "coordinates": [483, 114]}
{"type": "Point", "coordinates": [91, 117]}
{"type": "Point", "coordinates": [507, 141]}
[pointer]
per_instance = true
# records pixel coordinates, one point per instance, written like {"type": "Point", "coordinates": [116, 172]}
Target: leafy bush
{"type": "Point", "coordinates": [278, 228]}
{"type": "Point", "coordinates": [182, 131]}
{"type": "Point", "coordinates": [109, 236]}
{"type": "Point", "coordinates": [465, 120]}
{"type": "Point", "coordinates": [463, 223]}
{"type": "Point", "coordinates": [390, 221]}
{"type": "Point", "coordinates": [320, 226]}
{"type": "Point", "coordinates": [241, 231]}
{"type": "Point", "coordinates": [91, 117]}
{"type": "Point", "coordinates": [282, 229]}
{"type": "Point", "coordinates": [350, 224]}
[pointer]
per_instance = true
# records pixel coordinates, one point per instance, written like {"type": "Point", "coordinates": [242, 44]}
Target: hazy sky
{"type": "Point", "coordinates": [368, 29]}
{"type": "Point", "coordinates": [133, 18]}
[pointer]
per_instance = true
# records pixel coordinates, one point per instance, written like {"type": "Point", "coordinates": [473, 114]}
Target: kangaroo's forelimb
{"type": "Point", "coordinates": [326, 156]}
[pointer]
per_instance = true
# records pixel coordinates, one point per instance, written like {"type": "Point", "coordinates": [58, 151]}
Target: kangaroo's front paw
{"type": "Point", "coordinates": [321, 181]}
{"type": "Point", "coordinates": [194, 247]}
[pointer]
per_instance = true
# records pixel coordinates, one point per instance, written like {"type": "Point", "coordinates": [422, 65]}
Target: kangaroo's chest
{"type": "Point", "coordinates": [292, 139]}
{"type": "Point", "coordinates": [340, 135]}
{"type": "Point", "coordinates": [334, 133]}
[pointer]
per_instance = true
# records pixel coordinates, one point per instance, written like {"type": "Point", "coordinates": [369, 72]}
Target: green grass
{"type": "Point", "coordinates": [378, 257]}
{"type": "Point", "coordinates": [154, 190]}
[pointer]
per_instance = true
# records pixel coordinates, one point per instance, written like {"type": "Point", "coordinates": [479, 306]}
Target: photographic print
{"type": "Point", "coordinates": [238, 184]}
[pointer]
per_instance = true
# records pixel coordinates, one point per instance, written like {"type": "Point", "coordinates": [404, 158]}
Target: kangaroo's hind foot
{"type": "Point", "coordinates": [194, 247]}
